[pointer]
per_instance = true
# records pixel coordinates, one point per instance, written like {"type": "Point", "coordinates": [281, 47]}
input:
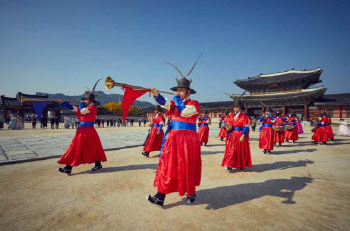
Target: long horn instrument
{"type": "Point", "coordinates": [110, 83]}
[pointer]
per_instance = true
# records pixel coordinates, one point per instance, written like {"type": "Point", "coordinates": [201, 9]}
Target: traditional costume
{"type": "Point", "coordinates": [237, 150]}
{"type": "Point", "coordinates": [223, 131]}
{"type": "Point", "coordinates": [320, 131]}
{"type": "Point", "coordinates": [279, 129]}
{"type": "Point", "coordinates": [343, 128]}
{"type": "Point", "coordinates": [291, 132]}
{"type": "Point", "coordinates": [86, 147]}
{"type": "Point", "coordinates": [203, 131]}
{"type": "Point", "coordinates": [180, 165]}
{"type": "Point", "coordinates": [300, 128]}
{"type": "Point", "coordinates": [267, 133]}
{"type": "Point", "coordinates": [155, 136]}
{"type": "Point", "coordinates": [329, 129]}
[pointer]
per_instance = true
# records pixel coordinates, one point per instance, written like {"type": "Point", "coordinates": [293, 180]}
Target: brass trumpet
{"type": "Point", "coordinates": [110, 83]}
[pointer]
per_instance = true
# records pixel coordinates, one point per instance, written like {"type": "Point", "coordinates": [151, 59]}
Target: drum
{"type": "Point", "coordinates": [278, 128]}
{"type": "Point", "coordinates": [289, 127]}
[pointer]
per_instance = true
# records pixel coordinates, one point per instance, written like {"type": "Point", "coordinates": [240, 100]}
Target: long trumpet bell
{"type": "Point", "coordinates": [110, 83]}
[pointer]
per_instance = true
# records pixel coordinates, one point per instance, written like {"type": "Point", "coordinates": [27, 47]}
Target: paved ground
{"type": "Point", "coordinates": [299, 187]}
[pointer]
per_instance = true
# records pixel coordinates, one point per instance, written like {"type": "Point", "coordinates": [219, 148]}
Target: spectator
{"type": "Point", "coordinates": [52, 121]}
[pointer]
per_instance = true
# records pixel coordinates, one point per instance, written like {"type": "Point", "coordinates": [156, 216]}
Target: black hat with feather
{"type": "Point", "coordinates": [184, 82]}
{"type": "Point", "coordinates": [91, 95]}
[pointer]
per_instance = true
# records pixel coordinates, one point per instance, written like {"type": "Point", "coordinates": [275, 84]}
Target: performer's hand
{"type": "Point", "coordinates": [158, 132]}
{"type": "Point", "coordinates": [242, 138]}
{"type": "Point", "coordinates": [177, 93]}
{"type": "Point", "coordinates": [150, 124]}
{"type": "Point", "coordinates": [154, 92]}
{"type": "Point", "coordinates": [228, 127]}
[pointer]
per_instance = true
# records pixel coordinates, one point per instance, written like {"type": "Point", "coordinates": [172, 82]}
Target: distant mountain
{"type": "Point", "coordinates": [102, 97]}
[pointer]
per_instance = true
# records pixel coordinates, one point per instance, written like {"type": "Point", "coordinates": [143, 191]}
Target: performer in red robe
{"type": "Point", "coordinates": [267, 133]}
{"type": "Point", "coordinates": [203, 131]}
{"type": "Point", "coordinates": [86, 147]}
{"type": "Point", "coordinates": [320, 131]}
{"type": "Point", "coordinates": [179, 168]}
{"type": "Point", "coordinates": [155, 136]}
{"type": "Point", "coordinates": [292, 134]}
{"type": "Point", "coordinates": [237, 150]}
{"type": "Point", "coordinates": [223, 131]}
{"type": "Point", "coordinates": [329, 129]}
{"type": "Point", "coordinates": [280, 122]}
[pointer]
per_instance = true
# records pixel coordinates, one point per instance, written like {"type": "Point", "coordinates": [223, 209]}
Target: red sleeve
{"type": "Point", "coordinates": [93, 110]}
{"type": "Point", "coordinates": [78, 113]}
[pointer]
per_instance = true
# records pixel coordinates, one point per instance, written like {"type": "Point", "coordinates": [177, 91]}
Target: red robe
{"type": "Point", "coordinates": [180, 165]}
{"type": "Point", "coordinates": [267, 134]}
{"type": "Point", "coordinates": [86, 147]}
{"type": "Point", "coordinates": [154, 140]}
{"type": "Point", "coordinates": [203, 131]}
{"type": "Point", "coordinates": [292, 134]}
{"type": "Point", "coordinates": [321, 132]}
{"type": "Point", "coordinates": [329, 129]}
{"type": "Point", "coordinates": [279, 136]}
{"type": "Point", "coordinates": [223, 132]}
{"type": "Point", "coordinates": [237, 153]}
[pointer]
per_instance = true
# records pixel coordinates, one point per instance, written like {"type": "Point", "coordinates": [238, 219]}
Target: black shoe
{"type": "Point", "coordinates": [191, 199]}
{"type": "Point", "coordinates": [293, 141]}
{"type": "Point", "coordinates": [324, 143]}
{"type": "Point", "coordinates": [314, 142]}
{"type": "Point", "coordinates": [146, 154]}
{"type": "Point", "coordinates": [201, 144]}
{"type": "Point", "coordinates": [222, 138]}
{"type": "Point", "coordinates": [269, 152]}
{"type": "Point", "coordinates": [155, 200]}
{"type": "Point", "coordinates": [65, 170]}
{"type": "Point", "coordinates": [205, 144]}
{"type": "Point", "coordinates": [280, 144]}
{"type": "Point", "coordinates": [228, 168]}
{"type": "Point", "coordinates": [287, 141]}
{"type": "Point", "coordinates": [265, 151]}
{"type": "Point", "coordinates": [96, 168]}
{"type": "Point", "coordinates": [332, 139]}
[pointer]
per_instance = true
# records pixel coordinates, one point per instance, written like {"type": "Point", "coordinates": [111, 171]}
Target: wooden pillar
{"type": "Point", "coordinates": [306, 112]}
{"type": "Point", "coordinates": [341, 112]}
{"type": "Point", "coordinates": [284, 110]}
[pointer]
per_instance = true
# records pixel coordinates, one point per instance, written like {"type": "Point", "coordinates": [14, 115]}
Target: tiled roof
{"type": "Point", "coordinates": [8, 101]}
{"type": "Point", "coordinates": [290, 79]}
{"type": "Point", "coordinates": [334, 99]}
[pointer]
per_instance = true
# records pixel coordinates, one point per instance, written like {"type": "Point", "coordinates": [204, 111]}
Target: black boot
{"type": "Point", "coordinates": [293, 141]}
{"type": "Point", "coordinates": [98, 165]}
{"type": "Point", "coordinates": [324, 143]}
{"type": "Point", "coordinates": [332, 139]}
{"type": "Point", "coordinates": [287, 141]}
{"type": "Point", "coordinates": [157, 199]}
{"type": "Point", "coordinates": [228, 168]}
{"type": "Point", "coordinates": [67, 169]}
{"type": "Point", "coordinates": [314, 142]}
{"type": "Point", "coordinates": [146, 154]}
{"type": "Point", "coordinates": [222, 138]}
{"type": "Point", "coordinates": [269, 152]}
{"type": "Point", "coordinates": [280, 144]}
{"type": "Point", "coordinates": [191, 199]}
{"type": "Point", "coordinates": [205, 144]}
{"type": "Point", "coordinates": [201, 144]}
{"type": "Point", "coordinates": [265, 151]}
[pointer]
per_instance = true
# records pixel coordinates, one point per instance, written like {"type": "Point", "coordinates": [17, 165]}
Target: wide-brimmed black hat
{"type": "Point", "coordinates": [158, 108]}
{"type": "Point", "coordinates": [184, 83]}
{"type": "Point", "coordinates": [91, 95]}
{"type": "Point", "coordinates": [237, 102]}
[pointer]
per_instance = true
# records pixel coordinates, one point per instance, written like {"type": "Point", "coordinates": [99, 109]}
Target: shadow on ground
{"type": "Point", "coordinates": [221, 197]}
{"type": "Point", "coordinates": [120, 168]}
{"type": "Point", "coordinates": [281, 165]}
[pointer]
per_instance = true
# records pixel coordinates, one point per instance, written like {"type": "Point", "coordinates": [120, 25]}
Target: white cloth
{"type": "Point", "coordinates": [343, 129]}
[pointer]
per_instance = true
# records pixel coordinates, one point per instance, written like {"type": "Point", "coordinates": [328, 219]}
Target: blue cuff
{"type": "Point", "coordinates": [82, 105]}
{"type": "Point", "coordinates": [160, 99]}
{"type": "Point", "coordinates": [261, 118]}
{"type": "Point", "coordinates": [67, 105]}
{"type": "Point", "coordinates": [178, 103]}
{"type": "Point", "coordinates": [160, 127]}
{"type": "Point", "coordinates": [245, 130]}
{"type": "Point", "coordinates": [284, 119]}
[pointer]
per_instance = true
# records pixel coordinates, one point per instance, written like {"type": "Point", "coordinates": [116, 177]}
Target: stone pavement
{"type": "Point", "coordinates": [38, 147]}
{"type": "Point", "coordinates": [45, 146]}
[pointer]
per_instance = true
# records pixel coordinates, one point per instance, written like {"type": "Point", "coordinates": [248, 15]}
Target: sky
{"type": "Point", "coordinates": [65, 46]}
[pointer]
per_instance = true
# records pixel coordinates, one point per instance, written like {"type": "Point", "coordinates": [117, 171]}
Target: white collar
{"type": "Point", "coordinates": [237, 114]}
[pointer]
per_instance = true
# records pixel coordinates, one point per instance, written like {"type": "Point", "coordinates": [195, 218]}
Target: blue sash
{"type": "Point", "coordinates": [268, 125]}
{"type": "Point", "coordinates": [86, 124]}
{"type": "Point", "coordinates": [156, 125]}
{"type": "Point", "coordinates": [176, 126]}
{"type": "Point", "coordinates": [235, 129]}
{"type": "Point", "coordinates": [206, 125]}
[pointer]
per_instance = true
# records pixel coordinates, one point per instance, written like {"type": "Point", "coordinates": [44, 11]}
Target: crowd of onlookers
{"type": "Point", "coordinates": [17, 123]}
